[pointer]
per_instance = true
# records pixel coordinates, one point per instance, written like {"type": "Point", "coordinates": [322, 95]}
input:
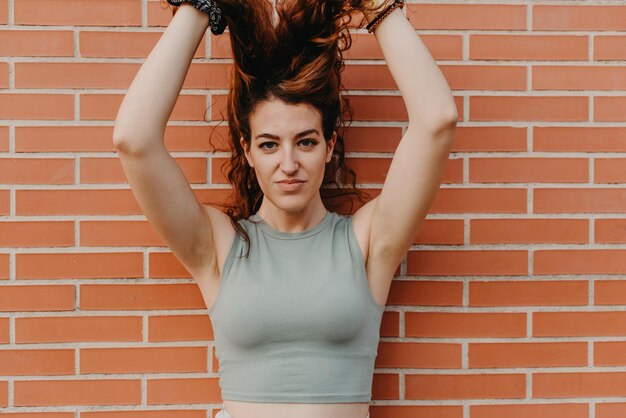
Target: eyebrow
{"type": "Point", "coordinates": [298, 135]}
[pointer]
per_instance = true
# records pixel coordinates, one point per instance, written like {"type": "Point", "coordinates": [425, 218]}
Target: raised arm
{"type": "Point", "coordinates": [157, 182]}
{"type": "Point", "coordinates": [417, 167]}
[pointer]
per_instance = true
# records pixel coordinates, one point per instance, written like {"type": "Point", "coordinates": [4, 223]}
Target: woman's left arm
{"type": "Point", "coordinates": [417, 167]}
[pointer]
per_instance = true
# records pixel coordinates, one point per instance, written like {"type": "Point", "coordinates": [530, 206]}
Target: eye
{"type": "Point", "coordinates": [313, 142]}
{"type": "Point", "coordinates": [262, 146]}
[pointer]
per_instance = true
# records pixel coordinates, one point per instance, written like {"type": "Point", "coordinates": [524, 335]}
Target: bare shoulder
{"type": "Point", "coordinates": [223, 236]}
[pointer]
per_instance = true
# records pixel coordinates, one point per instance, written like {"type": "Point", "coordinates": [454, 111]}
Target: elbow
{"type": "Point", "coordinates": [442, 128]}
{"type": "Point", "coordinates": [134, 143]}
{"type": "Point", "coordinates": [445, 127]}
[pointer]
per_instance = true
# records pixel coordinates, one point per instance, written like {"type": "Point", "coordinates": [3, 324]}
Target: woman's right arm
{"type": "Point", "coordinates": [157, 182]}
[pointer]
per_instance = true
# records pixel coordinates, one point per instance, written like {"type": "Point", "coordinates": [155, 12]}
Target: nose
{"type": "Point", "coordinates": [289, 162]}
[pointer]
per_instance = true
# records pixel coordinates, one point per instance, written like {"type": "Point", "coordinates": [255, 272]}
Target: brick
{"type": "Point", "coordinates": [424, 292]}
{"type": "Point", "coordinates": [609, 47]}
{"type": "Point", "coordinates": [25, 106]}
{"type": "Point", "coordinates": [610, 231]}
{"type": "Point", "coordinates": [528, 47]}
{"type": "Point", "coordinates": [183, 391]}
{"type": "Point", "coordinates": [37, 298]}
{"type": "Point", "coordinates": [527, 231]}
{"type": "Point", "coordinates": [480, 200]}
{"type": "Point", "coordinates": [609, 170]}
{"type": "Point", "coordinates": [104, 44]}
{"type": "Point", "coordinates": [579, 324]}
{"type": "Point", "coordinates": [36, 234]}
{"type": "Point", "coordinates": [372, 138]}
{"type": "Point", "coordinates": [486, 386]}
{"type": "Point", "coordinates": [578, 77]}
{"type": "Point", "coordinates": [4, 131]}
{"type": "Point", "coordinates": [529, 170]}
{"type": "Point", "coordinates": [160, 13]}
{"type": "Point", "coordinates": [440, 231]}
{"type": "Point", "coordinates": [419, 355]}
{"type": "Point", "coordinates": [37, 43]}
{"type": "Point", "coordinates": [527, 355]}
{"type": "Point", "coordinates": [77, 75]}
{"type": "Point", "coordinates": [59, 329]}
{"type": "Point", "coordinates": [188, 107]}
{"type": "Point", "coordinates": [575, 410]}
{"type": "Point", "coordinates": [580, 262]}
{"type": "Point", "coordinates": [461, 263]}
{"type": "Point", "coordinates": [4, 83]}
{"type": "Point", "coordinates": [4, 266]}
{"type": "Point", "coordinates": [140, 297]}
{"type": "Point", "coordinates": [529, 109]}
{"type": "Point", "coordinates": [77, 12]}
{"type": "Point", "coordinates": [63, 138]}
{"type": "Point", "coordinates": [610, 410]}
{"type": "Point", "coordinates": [594, 17]}
{"type": "Point", "coordinates": [4, 11]}
{"type": "Point", "coordinates": [37, 362]}
{"type": "Point", "coordinates": [609, 109]}
{"type": "Point", "coordinates": [37, 171]}
{"type": "Point", "coordinates": [579, 385]}
{"type": "Point", "coordinates": [528, 293]}
{"type": "Point", "coordinates": [417, 411]}
{"type": "Point", "coordinates": [579, 200]}
{"type": "Point", "coordinates": [609, 353]}
{"type": "Point", "coordinates": [165, 265]}
{"type": "Point", "coordinates": [143, 360]}
{"type": "Point", "coordinates": [162, 328]}
{"type": "Point", "coordinates": [609, 292]}
{"type": "Point", "coordinates": [489, 139]}
{"type": "Point", "coordinates": [579, 139]}
{"type": "Point", "coordinates": [77, 392]}
{"type": "Point", "coordinates": [118, 233]}
{"type": "Point", "coordinates": [464, 325]}
{"type": "Point", "coordinates": [485, 77]}
{"type": "Point", "coordinates": [467, 16]}
{"type": "Point", "coordinates": [78, 265]}
{"type": "Point", "coordinates": [75, 202]}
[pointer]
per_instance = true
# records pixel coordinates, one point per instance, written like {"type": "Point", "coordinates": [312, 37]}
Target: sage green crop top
{"type": "Point", "coordinates": [295, 322]}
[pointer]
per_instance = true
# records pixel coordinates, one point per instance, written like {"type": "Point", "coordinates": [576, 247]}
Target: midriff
{"type": "Point", "coordinates": [240, 409]}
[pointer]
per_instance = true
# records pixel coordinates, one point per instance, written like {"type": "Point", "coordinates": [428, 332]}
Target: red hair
{"type": "Point", "coordinates": [299, 60]}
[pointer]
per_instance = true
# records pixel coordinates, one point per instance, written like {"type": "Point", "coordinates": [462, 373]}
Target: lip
{"type": "Point", "coordinates": [290, 185]}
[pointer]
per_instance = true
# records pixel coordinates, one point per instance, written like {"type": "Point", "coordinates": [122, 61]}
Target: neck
{"type": "Point", "coordinates": [292, 221]}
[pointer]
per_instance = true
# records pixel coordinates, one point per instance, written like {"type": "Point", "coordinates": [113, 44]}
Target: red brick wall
{"type": "Point", "coordinates": [510, 304]}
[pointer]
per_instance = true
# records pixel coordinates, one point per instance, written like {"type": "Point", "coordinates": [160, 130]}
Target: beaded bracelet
{"type": "Point", "coordinates": [382, 15]}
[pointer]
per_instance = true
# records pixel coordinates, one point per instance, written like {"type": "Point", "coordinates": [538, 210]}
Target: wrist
{"type": "Point", "coordinates": [373, 8]}
{"type": "Point", "coordinates": [383, 14]}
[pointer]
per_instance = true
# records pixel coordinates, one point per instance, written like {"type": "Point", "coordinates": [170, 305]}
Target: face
{"type": "Point", "coordinates": [287, 143]}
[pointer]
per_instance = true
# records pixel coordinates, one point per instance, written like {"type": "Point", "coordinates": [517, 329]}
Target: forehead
{"type": "Point", "coordinates": [278, 117]}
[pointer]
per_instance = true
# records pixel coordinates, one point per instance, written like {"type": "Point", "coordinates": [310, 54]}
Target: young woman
{"type": "Point", "coordinates": [295, 292]}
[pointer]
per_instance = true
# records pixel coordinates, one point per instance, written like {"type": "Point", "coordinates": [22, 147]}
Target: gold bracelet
{"type": "Point", "coordinates": [376, 21]}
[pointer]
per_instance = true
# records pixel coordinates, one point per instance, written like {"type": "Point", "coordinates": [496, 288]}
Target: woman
{"type": "Point", "coordinates": [295, 292]}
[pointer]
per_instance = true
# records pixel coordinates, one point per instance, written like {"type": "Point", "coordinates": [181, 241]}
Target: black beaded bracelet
{"type": "Point", "coordinates": [382, 15]}
{"type": "Point", "coordinates": [216, 19]}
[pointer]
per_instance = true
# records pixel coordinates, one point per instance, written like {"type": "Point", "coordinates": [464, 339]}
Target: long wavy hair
{"type": "Point", "coordinates": [298, 60]}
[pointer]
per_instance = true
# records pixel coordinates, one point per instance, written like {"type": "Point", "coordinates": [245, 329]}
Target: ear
{"type": "Point", "coordinates": [246, 151]}
{"type": "Point", "coordinates": [330, 146]}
